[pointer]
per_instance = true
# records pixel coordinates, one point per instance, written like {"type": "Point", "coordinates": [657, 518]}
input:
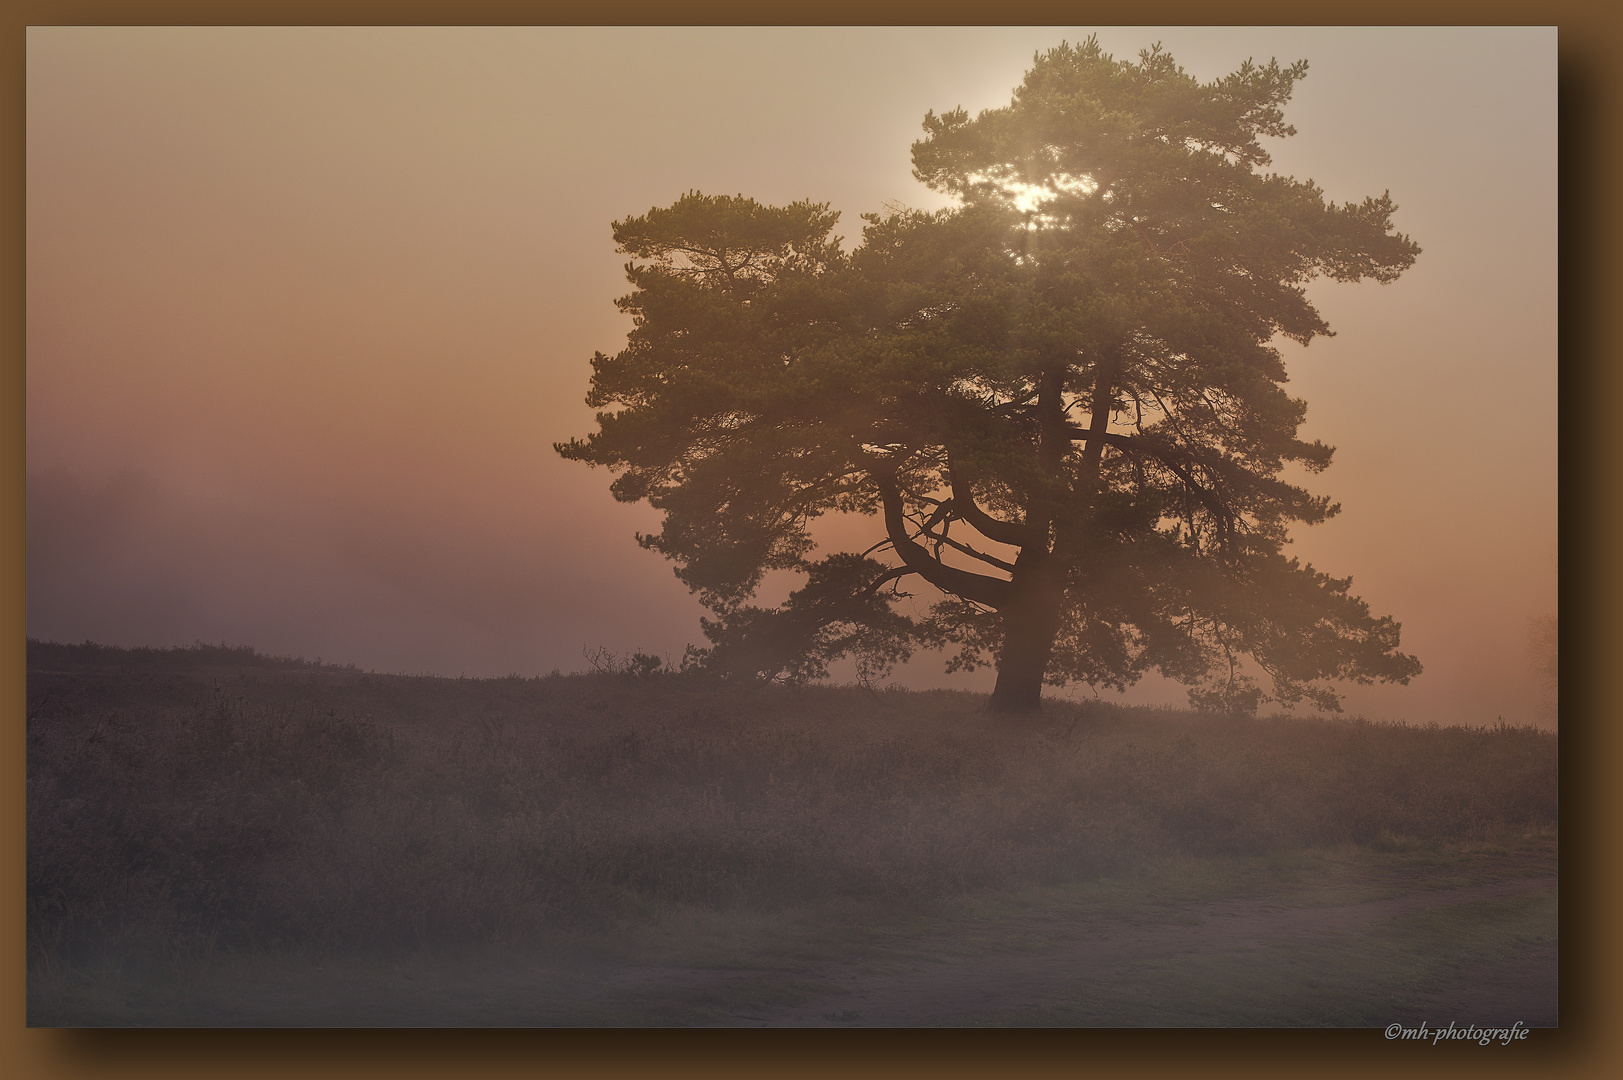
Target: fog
{"type": "Point", "coordinates": [307, 309]}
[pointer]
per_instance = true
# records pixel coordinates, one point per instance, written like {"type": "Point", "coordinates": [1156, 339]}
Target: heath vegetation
{"type": "Point", "coordinates": [202, 801]}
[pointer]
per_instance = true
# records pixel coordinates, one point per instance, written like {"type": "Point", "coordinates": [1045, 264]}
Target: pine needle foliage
{"type": "Point", "coordinates": [1062, 400]}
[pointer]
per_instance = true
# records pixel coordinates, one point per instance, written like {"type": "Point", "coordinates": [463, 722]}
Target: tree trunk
{"type": "Point", "coordinates": [1031, 618]}
{"type": "Point", "coordinates": [1030, 624]}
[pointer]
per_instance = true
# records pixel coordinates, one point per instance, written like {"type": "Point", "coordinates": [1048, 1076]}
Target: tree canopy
{"type": "Point", "coordinates": [1061, 400]}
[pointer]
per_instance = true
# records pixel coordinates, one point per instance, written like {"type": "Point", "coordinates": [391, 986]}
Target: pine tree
{"type": "Point", "coordinates": [1061, 399]}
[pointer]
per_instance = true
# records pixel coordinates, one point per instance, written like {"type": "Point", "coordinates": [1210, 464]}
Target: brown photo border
{"type": "Point", "coordinates": [1591, 248]}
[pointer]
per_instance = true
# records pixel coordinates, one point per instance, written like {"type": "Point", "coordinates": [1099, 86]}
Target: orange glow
{"type": "Point", "coordinates": [308, 307]}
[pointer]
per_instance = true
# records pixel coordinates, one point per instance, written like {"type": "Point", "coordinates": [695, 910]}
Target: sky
{"type": "Point", "coordinates": [308, 307]}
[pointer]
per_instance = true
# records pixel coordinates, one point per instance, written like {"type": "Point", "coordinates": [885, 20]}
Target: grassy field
{"type": "Point", "coordinates": [217, 837]}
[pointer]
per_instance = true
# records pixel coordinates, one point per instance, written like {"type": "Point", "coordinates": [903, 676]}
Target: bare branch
{"type": "Point", "coordinates": [1013, 533]}
{"type": "Point", "coordinates": [941, 538]}
{"type": "Point", "coordinates": [993, 592]}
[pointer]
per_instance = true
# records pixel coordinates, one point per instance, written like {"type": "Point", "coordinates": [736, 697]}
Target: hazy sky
{"type": "Point", "coordinates": [307, 309]}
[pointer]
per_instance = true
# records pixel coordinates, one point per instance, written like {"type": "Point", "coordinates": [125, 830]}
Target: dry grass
{"type": "Point", "coordinates": [198, 800]}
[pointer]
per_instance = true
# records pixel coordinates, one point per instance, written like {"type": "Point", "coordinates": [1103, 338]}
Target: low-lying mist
{"type": "Point", "coordinates": [130, 560]}
{"type": "Point", "coordinates": [186, 801]}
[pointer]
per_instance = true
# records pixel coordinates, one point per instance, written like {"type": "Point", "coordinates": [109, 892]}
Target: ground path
{"type": "Point", "coordinates": [947, 981]}
{"type": "Point", "coordinates": [1371, 946]}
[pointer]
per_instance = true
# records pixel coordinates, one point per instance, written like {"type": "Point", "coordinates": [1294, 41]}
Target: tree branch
{"type": "Point", "coordinates": [1225, 517]}
{"type": "Point", "coordinates": [1013, 533]}
{"type": "Point", "coordinates": [888, 575]}
{"type": "Point", "coordinates": [993, 592]}
{"type": "Point", "coordinates": [967, 550]}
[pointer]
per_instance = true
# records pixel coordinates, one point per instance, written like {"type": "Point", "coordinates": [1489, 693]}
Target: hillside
{"type": "Point", "coordinates": [193, 804]}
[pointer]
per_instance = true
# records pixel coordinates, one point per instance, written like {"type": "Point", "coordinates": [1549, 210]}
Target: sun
{"type": "Point", "coordinates": [1031, 198]}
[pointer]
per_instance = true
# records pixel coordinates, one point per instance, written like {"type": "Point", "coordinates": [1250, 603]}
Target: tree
{"type": "Point", "coordinates": [1060, 399]}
